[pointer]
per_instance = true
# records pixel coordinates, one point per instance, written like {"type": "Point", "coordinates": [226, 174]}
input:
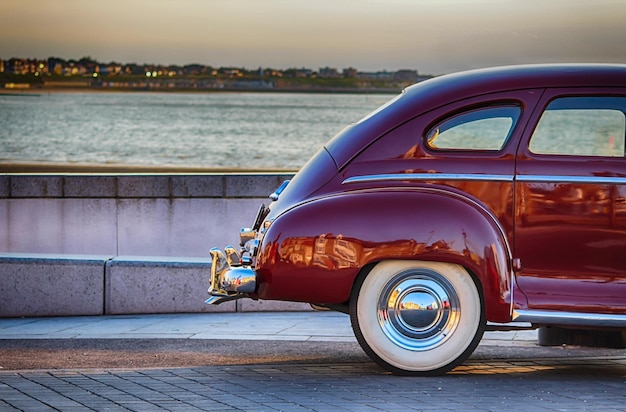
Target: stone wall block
{"type": "Point", "coordinates": [140, 186]}
{"type": "Point", "coordinates": [36, 186]}
{"type": "Point", "coordinates": [51, 285]}
{"type": "Point", "coordinates": [198, 186]}
{"type": "Point", "coordinates": [90, 186]}
{"type": "Point", "coordinates": [159, 285]}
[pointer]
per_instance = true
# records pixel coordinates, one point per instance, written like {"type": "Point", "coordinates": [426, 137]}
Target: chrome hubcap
{"type": "Point", "coordinates": [418, 309]}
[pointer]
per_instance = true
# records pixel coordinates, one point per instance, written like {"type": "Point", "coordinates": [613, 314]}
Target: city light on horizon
{"type": "Point", "coordinates": [430, 36]}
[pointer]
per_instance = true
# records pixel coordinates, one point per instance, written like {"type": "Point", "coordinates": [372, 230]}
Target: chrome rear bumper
{"type": "Point", "coordinates": [230, 278]}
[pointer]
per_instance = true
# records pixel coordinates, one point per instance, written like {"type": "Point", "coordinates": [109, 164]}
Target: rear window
{"type": "Point", "coordinates": [486, 128]}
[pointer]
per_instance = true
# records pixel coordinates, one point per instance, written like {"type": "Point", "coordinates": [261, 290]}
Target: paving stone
{"type": "Point", "coordinates": [352, 387]}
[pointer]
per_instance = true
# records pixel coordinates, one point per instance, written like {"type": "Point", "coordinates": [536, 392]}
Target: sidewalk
{"type": "Point", "coordinates": [274, 326]}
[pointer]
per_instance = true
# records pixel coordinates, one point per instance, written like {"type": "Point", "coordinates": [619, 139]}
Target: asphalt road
{"type": "Point", "coordinates": [45, 354]}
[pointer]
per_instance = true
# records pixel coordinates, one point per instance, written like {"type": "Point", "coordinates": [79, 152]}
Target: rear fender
{"type": "Point", "coordinates": [314, 251]}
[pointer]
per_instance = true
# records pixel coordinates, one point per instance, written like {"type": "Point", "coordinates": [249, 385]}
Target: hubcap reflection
{"type": "Point", "coordinates": [418, 309]}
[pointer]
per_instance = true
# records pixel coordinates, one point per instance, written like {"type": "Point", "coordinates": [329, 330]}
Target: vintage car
{"type": "Point", "coordinates": [484, 197]}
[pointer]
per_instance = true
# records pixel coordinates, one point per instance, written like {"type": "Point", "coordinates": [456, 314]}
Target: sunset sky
{"type": "Point", "coordinates": [431, 36]}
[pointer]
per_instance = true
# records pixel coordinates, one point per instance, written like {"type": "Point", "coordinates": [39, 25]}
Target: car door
{"type": "Point", "coordinates": [570, 204]}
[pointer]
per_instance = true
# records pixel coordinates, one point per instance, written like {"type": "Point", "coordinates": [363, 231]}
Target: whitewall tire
{"type": "Point", "coordinates": [417, 318]}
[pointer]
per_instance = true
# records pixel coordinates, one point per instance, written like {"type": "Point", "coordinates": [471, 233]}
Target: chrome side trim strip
{"type": "Point", "coordinates": [571, 179]}
{"type": "Point", "coordinates": [549, 317]}
{"type": "Point", "coordinates": [428, 176]}
{"type": "Point", "coordinates": [485, 177]}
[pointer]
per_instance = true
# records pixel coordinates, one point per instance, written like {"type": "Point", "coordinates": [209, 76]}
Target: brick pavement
{"type": "Point", "coordinates": [507, 372]}
{"type": "Point", "coordinates": [573, 384]}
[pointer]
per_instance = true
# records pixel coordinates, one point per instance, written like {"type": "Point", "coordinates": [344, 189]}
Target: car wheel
{"type": "Point", "coordinates": [417, 318]}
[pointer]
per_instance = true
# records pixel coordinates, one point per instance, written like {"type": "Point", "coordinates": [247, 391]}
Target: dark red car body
{"type": "Point", "coordinates": [539, 226]}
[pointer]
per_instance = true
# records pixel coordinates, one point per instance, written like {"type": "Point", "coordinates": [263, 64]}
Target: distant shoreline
{"type": "Point", "coordinates": [26, 167]}
{"type": "Point", "coordinates": [55, 89]}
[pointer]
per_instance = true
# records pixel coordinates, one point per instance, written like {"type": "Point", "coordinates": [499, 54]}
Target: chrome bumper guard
{"type": "Point", "coordinates": [230, 278]}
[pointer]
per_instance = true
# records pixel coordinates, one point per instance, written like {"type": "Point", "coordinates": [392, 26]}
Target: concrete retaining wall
{"type": "Point", "coordinates": [119, 244]}
{"type": "Point", "coordinates": [141, 215]}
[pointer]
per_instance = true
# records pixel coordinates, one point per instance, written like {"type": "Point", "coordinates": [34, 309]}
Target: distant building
{"type": "Point", "coordinates": [111, 69]}
{"type": "Point", "coordinates": [409, 76]}
{"type": "Point", "coordinates": [193, 69]}
{"type": "Point", "coordinates": [380, 75]}
{"type": "Point", "coordinates": [328, 72]}
{"type": "Point", "coordinates": [298, 72]}
{"type": "Point", "coordinates": [350, 72]}
{"type": "Point", "coordinates": [25, 66]}
{"type": "Point", "coordinates": [232, 72]}
{"type": "Point", "coordinates": [55, 66]}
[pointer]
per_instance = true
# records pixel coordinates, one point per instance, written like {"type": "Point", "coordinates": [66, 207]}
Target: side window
{"type": "Point", "coordinates": [486, 128]}
{"type": "Point", "coordinates": [581, 126]}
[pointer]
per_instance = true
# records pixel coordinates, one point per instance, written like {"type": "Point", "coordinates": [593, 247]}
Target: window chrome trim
{"type": "Point", "coordinates": [571, 179]}
{"type": "Point", "coordinates": [428, 176]}
{"type": "Point", "coordinates": [485, 177]}
{"type": "Point", "coordinates": [550, 317]}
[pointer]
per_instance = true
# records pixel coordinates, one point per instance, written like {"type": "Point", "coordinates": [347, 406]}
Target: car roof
{"type": "Point", "coordinates": [433, 93]}
{"type": "Point", "coordinates": [490, 80]}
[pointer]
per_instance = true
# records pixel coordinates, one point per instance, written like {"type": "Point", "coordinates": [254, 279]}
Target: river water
{"type": "Point", "coordinates": [216, 130]}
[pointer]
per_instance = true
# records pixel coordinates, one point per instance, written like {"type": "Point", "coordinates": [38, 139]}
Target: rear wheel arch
{"type": "Point", "coordinates": [425, 223]}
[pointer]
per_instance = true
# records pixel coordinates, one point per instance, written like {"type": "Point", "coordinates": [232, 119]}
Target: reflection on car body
{"type": "Point", "coordinates": [494, 195]}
